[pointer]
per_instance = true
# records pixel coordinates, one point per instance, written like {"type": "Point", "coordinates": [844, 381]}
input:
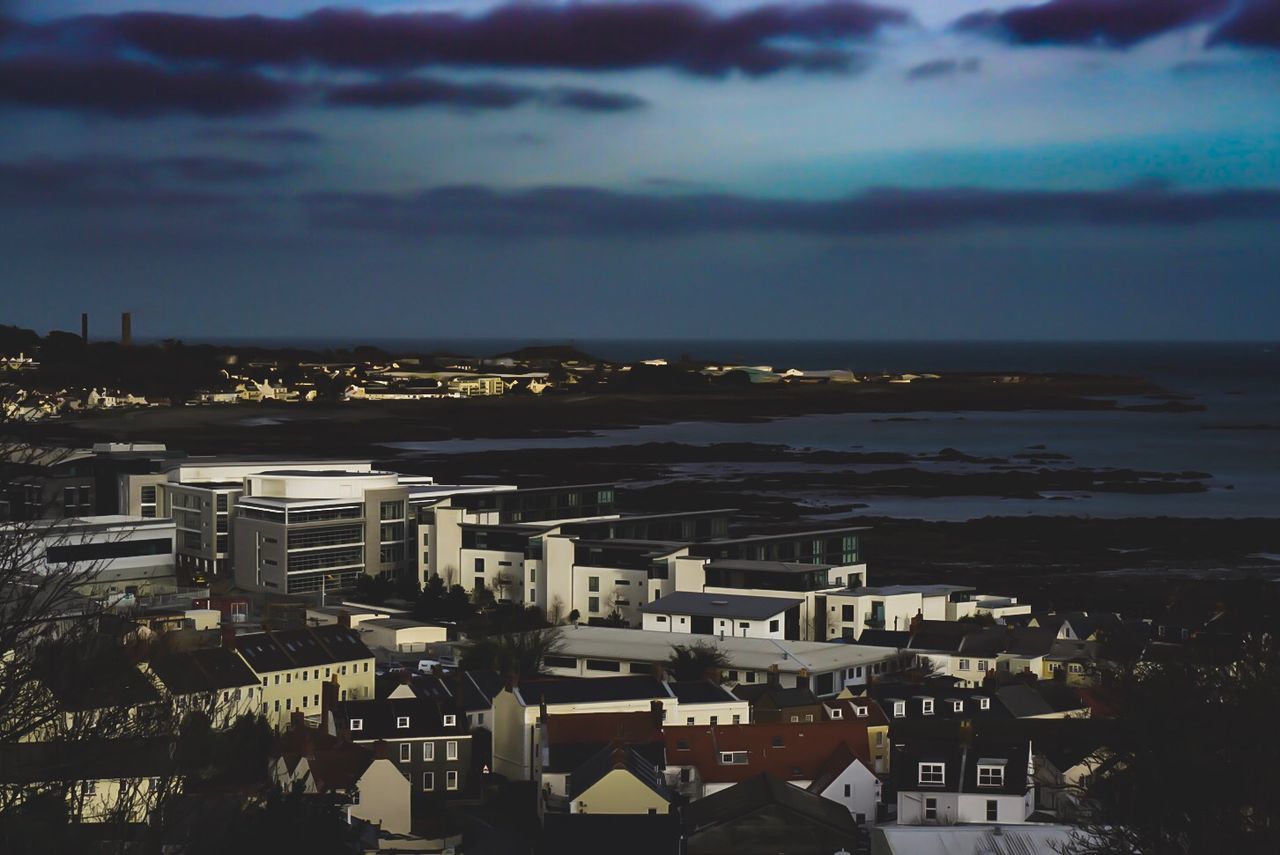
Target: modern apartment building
{"type": "Point", "coordinates": [303, 531]}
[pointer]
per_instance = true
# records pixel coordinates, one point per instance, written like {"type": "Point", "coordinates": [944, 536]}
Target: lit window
{"type": "Point", "coordinates": [933, 774]}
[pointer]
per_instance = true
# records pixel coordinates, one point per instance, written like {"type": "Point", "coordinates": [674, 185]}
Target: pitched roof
{"type": "Point", "coordinates": [961, 761]}
{"type": "Point", "coordinates": [701, 692]}
{"type": "Point", "coordinates": [305, 647]}
{"type": "Point", "coordinates": [729, 606]}
{"type": "Point", "coordinates": [874, 717]}
{"type": "Point", "coordinates": [631, 727]}
{"type": "Point", "coordinates": [209, 669]}
{"type": "Point", "coordinates": [789, 751]}
{"type": "Point", "coordinates": [1023, 701]}
{"type": "Point", "coordinates": [578, 690]}
{"type": "Point", "coordinates": [769, 695]}
{"type": "Point", "coordinates": [87, 760]}
{"type": "Point", "coordinates": [837, 761]}
{"type": "Point", "coordinates": [479, 688]}
{"type": "Point", "coordinates": [609, 758]}
{"type": "Point", "coordinates": [339, 768]}
{"type": "Point", "coordinates": [379, 719]}
{"type": "Point", "coordinates": [762, 791]}
{"type": "Point", "coordinates": [883, 638]}
{"type": "Point", "coordinates": [627, 834]}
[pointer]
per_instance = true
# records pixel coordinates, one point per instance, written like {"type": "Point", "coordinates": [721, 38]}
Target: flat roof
{"type": "Point", "coordinates": [399, 623]}
{"type": "Point", "coordinates": [893, 590]}
{"type": "Point", "coordinates": [770, 566]}
{"type": "Point", "coordinates": [286, 502]}
{"type": "Point", "coordinates": [700, 604]}
{"type": "Point", "coordinates": [756, 654]}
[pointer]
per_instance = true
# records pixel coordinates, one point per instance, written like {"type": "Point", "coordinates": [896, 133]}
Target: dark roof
{"type": "Point", "coordinates": [32, 762]}
{"type": "Point", "coordinates": [339, 768]}
{"type": "Point", "coordinates": [835, 764]}
{"type": "Point", "coordinates": [611, 757]}
{"type": "Point", "coordinates": [762, 791]}
{"type": "Point", "coordinates": [944, 695]}
{"type": "Point", "coordinates": [479, 688]}
{"type": "Point", "coordinates": [884, 638]}
{"type": "Point", "coordinates": [875, 716]}
{"type": "Point", "coordinates": [733, 606]}
{"type": "Point", "coordinates": [1031, 642]}
{"type": "Point", "coordinates": [378, 718]}
{"type": "Point", "coordinates": [961, 762]}
{"type": "Point", "coordinates": [1023, 701]}
{"type": "Point", "coordinates": [571, 690]}
{"type": "Point", "coordinates": [627, 834]}
{"type": "Point", "coordinates": [987, 642]}
{"type": "Point", "coordinates": [101, 678]}
{"type": "Point", "coordinates": [939, 635]}
{"type": "Point", "coordinates": [768, 695]}
{"type": "Point", "coordinates": [700, 692]}
{"type": "Point", "coordinates": [209, 669]}
{"type": "Point", "coordinates": [766, 566]}
{"type": "Point", "coordinates": [280, 650]}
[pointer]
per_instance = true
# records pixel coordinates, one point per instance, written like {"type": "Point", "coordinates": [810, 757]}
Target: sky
{"type": "Point", "coordinates": [931, 169]}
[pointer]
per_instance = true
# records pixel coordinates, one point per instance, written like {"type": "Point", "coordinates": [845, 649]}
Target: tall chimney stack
{"type": "Point", "coordinates": [126, 328]}
{"type": "Point", "coordinates": [84, 327]}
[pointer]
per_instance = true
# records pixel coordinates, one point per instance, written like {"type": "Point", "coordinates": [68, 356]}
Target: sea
{"type": "Point", "coordinates": [1236, 438]}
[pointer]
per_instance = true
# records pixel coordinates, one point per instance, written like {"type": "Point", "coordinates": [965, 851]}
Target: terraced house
{"type": "Point", "coordinates": [293, 665]}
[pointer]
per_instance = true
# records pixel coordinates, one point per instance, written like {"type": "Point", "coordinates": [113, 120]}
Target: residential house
{"type": "Point", "coordinates": [567, 742]}
{"type": "Point", "coordinates": [724, 615]}
{"type": "Point", "coordinates": [705, 702]}
{"type": "Point", "coordinates": [763, 816]}
{"type": "Point", "coordinates": [863, 712]}
{"type": "Point", "coordinates": [426, 740]}
{"type": "Point", "coordinates": [292, 666]}
{"type": "Point", "coordinates": [212, 680]}
{"type": "Point", "coordinates": [618, 779]}
{"type": "Point", "coordinates": [361, 778]}
{"type": "Point", "coordinates": [935, 699]}
{"type": "Point", "coordinates": [961, 778]}
{"type": "Point", "coordinates": [117, 780]}
{"type": "Point", "coordinates": [772, 703]}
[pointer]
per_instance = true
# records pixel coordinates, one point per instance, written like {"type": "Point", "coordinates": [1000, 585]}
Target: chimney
{"type": "Point", "coordinates": [405, 678]}
{"type": "Point", "coordinates": [510, 680]}
{"type": "Point", "coordinates": [84, 327]}
{"type": "Point", "coordinates": [328, 696]}
{"type": "Point", "coordinates": [344, 620]}
{"type": "Point", "coordinates": [228, 635]}
{"type": "Point", "coordinates": [915, 621]}
{"type": "Point", "coordinates": [656, 710]}
{"type": "Point", "coordinates": [126, 328]}
{"type": "Point", "coordinates": [297, 721]}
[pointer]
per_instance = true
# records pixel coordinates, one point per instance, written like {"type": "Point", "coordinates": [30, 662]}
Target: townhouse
{"type": "Point", "coordinates": [214, 681]}
{"type": "Point", "coordinates": [962, 778]}
{"type": "Point", "coordinates": [293, 665]}
{"type": "Point", "coordinates": [427, 740]}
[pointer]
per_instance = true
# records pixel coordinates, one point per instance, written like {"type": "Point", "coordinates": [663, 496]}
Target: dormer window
{"type": "Point", "coordinates": [926, 706]}
{"type": "Point", "coordinates": [899, 709]}
{"type": "Point", "coordinates": [990, 773]}
{"type": "Point", "coordinates": [778, 743]}
{"type": "Point", "coordinates": [957, 705]}
{"type": "Point", "coordinates": [450, 721]}
{"type": "Point", "coordinates": [933, 774]}
{"type": "Point", "coordinates": [402, 722]}
{"type": "Point", "coordinates": [357, 724]}
{"type": "Point", "coordinates": [984, 703]}
{"type": "Point", "coordinates": [733, 758]}
{"type": "Point", "coordinates": [836, 713]}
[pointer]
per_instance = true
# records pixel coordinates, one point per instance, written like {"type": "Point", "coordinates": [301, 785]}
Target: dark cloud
{"type": "Point", "coordinates": [943, 68]}
{"type": "Point", "coordinates": [421, 91]}
{"type": "Point", "coordinates": [268, 136]}
{"type": "Point", "coordinates": [135, 89]}
{"type": "Point", "coordinates": [552, 211]}
{"type": "Point", "coordinates": [586, 36]}
{"type": "Point", "coordinates": [1110, 23]}
{"type": "Point", "coordinates": [1255, 24]}
{"type": "Point", "coordinates": [113, 179]}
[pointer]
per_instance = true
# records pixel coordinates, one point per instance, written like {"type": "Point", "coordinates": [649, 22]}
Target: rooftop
{"type": "Point", "coordinates": [701, 604]}
{"type": "Point", "coordinates": [766, 566]}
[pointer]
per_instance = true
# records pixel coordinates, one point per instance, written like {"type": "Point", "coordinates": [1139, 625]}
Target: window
{"type": "Point", "coordinates": [751, 676]}
{"type": "Point", "coordinates": [990, 775]}
{"type": "Point", "coordinates": [355, 797]}
{"type": "Point", "coordinates": [861, 712]}
{"type": "Point", "coordinates": [926, 706]}
{"type": "Point", "coordinates": [964, 665]}
{"type": "Point", "coordinates": [993, 810]}
{"type": "Point", "coordinates": [982, 665]}
{"type": "Point", "coordinates": [774, 624]}
{"type": "Point", "coordinates": [603, 665]}
{"type": "Point", "coordinates": [930, 808]}
{"type": "Point", "coordinates": [428, 751]}
{"type": "Point", "coordinates": [733, 758]}
{"type": "Point", "coordinates": [848, 790]}
{"type": "Point", "coordinates": [715, 720]}
{"type": "Point", "coordinates": [795, 718]}
{"type": "Point", "coordinates": [450, 721]}
{"type": "Point", "coordinates": [984, 703]}
{"type": "Point", "coordinates": [593, 604]}
{"type": "Point", "coordinates": [836, 713]}
{"type": "Point", "coordinates": [560, 661]}
{"type": "Point", "coordinates": [899, 709]}
{"type": "Point", "coordinates": [402, 722]}
{"type": "Point", "coordinates": [778, 742]}
{"type": "Point", "coordinates": [689, 721]}
{"type": "Point", "coordinates": [593, 583]}
{"type": "Point", "coordinates": [406, 752]}
{"type": "Point", "coordinates": [933, 774]}
{"type": "Point", "coordinates": [428, 781]}
{"type": "Point", "coordinates": [391, 511]}
{"type": "Point", "coordinates": [737, 719]}
{"type": "Point", "coordinates": [451, 780]}
{"type": "Point", "coordinates": [451, 750]}
{"type": "Point", "coordinates": [957, 705]}
{"type": "Point", "coordinates": [89, 788]}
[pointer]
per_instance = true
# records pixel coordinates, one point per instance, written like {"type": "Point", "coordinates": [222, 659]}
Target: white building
{"type": "Point", "coordinates": [113, 556]}
{"type": "Point", "coordinates": [724, 615]}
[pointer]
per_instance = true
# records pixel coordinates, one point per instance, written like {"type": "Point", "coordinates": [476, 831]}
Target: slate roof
{"type": "Point", "coordinates": [282, 650]}
{"type": "Point", "coordinates": [378, 719]}
{"type": "Point", "coordinates": [627, 834]}
{"type": "Point", "coordinates": [875, 716]}
{"type": "Point", "coordinates": [762, 791]}
{"type": "Point", "coordinates": [1023, 701]}
{"type": "Point", "coordinates": [576, 690]}
{"type": "Point", "coordinates": [701, 692]}
{"type": "Point", "coordinates": [943, 694]}
{"type": "Point", "coordinates": [787, 750]}
{"type": "Point", "coordinates": [776, 697]}
{"type": "Point", "coordinates": [571, 740]}
{"type": "Point", "coordinates": [210, 669]}
{"type": "Point", "coordinates": [961, 761]}
{"type": "Point", "coordinates": [479, 688]}
{"type": "Point", "coordinates": [884, 638]}
{"type": "Point", "coordinates": [832, 768]}
{"type": "Point", "coordinates": [616, 756]}
{"type": "Point", "coordinates": [728, 606]}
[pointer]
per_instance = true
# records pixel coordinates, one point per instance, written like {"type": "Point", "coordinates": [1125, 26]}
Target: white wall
{"type": "Point", "coordinates": [863, 788]}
